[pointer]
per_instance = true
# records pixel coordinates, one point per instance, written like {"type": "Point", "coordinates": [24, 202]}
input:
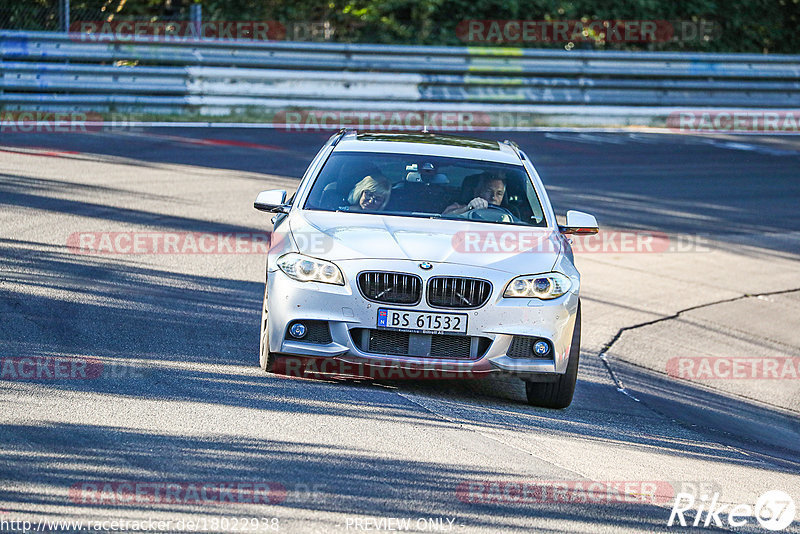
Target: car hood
{"type": "Point", "coordinates": [341, 236]}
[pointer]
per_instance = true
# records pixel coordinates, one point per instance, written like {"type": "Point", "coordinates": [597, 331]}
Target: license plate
{"type": "Point", "coordinates": [422, 322]}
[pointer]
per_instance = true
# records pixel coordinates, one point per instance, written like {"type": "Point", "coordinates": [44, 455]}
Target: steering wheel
{"type": "Point", "coordinates": [491, 213]}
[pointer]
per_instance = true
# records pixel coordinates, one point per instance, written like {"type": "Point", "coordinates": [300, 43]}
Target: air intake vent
{"type": "Point", "coordinates": [388, 342]}
{"type": "Point", "coordinates": [445, 346]}
{"type": "Point", "coordinates": [441, 346]}
{"type": "Point", "coordinates": [391, 288]}
{"type": "Point", "coordinates": [450, 292]}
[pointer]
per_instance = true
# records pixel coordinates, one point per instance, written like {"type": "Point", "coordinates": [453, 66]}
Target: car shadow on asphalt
{"type": "Point", "coordinates": [43, 195]}
{"type": "Point", "coordinates": [101, 472]}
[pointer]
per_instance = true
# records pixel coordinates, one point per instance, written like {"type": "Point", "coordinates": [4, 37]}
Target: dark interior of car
{"type": "Point", "coordinates": [423, 185]}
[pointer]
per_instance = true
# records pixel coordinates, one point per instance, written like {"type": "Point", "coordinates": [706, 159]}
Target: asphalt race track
{"type": "Point", "coordinates": [177, 397]}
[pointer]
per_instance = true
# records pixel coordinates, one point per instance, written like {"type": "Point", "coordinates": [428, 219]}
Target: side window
{"type": "Point", "coordinates": [327, 193]}
{"type": "Point", "coordinates": [312, 169]}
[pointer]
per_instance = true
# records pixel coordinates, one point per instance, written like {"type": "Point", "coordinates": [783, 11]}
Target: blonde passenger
{"type": "Point", "coordinates": [370, 194]}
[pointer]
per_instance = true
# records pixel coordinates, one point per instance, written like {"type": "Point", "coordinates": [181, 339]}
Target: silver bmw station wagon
{"type": "Point", "coordinates": [428, 254]}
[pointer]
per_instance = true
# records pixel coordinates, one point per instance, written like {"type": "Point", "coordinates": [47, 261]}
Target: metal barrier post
{"type": "Point", "coordinates": [196, 16]}
{"type": "Point", "coordinates": [63, 15]}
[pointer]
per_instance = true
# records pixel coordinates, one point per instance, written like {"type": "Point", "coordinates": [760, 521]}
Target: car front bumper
{"type": "Point", "coordinates": [345, 309]}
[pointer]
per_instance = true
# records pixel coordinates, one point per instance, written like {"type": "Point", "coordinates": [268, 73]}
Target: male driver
{"type": "Point", "coordinates": [488, 190]}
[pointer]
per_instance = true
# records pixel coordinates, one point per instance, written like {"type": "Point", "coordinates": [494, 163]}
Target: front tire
{"type": "Point", "coordinates": [559, 394]}
{"type": "Point", "coordinates": [266, 359]}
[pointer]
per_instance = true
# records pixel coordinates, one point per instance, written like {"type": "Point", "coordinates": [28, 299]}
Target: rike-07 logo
{"type": "Point", "coordinates": [774, 510]}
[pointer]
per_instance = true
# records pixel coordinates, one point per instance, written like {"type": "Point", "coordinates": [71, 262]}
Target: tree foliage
{"type": "Point", "coordinates": [761, 26]}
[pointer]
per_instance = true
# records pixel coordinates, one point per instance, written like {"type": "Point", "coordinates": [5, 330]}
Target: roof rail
{"type": "Point", "coordinates": [515, 147]}
{"type": "Point", "coordinates": [341, 133]}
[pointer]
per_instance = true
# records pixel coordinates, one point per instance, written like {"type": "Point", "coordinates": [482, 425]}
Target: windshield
{"type": "Point", "coordinates": [426, 186]}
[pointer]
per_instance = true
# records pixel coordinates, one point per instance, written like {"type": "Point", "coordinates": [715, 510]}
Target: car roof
{"type": "Point", "coordinates": [428, 144]}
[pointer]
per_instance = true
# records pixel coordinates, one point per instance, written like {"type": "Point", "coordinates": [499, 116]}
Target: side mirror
{"type": "Point", "coordinates": [273, 201]}
{"type": "Point", "coordinates": [579, 223]}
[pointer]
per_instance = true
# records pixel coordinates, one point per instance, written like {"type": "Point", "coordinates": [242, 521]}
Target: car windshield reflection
{"type": "Point", "coordinates": [434, 187]}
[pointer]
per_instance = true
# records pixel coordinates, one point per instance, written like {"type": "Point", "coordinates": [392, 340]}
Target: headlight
{"type": "Point", "coordinates": [539, 286]}
{"type": "Point", "coordinates": [308, 269]}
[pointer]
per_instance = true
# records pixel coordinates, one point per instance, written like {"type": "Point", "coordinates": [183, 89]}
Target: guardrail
{"type": "Point", "coordinates": [56, 71]}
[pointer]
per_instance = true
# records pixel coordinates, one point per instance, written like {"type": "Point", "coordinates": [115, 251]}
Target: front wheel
{"type": "Point", "coordinates": [559, 394]}
{"type": "Point", "coordinates": [266, 359]}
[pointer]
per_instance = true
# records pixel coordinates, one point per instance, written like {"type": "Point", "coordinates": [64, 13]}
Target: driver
{"type": "Point", "coordinates": [489, 190]}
